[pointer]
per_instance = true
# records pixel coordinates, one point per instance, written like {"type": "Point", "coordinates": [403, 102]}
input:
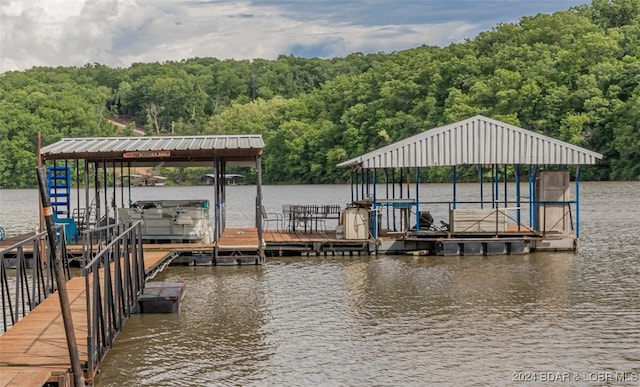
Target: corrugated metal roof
{"type": "Point", "coordinates": [166, 149]}
{"type": "Point", "coordinates": [475, 141]}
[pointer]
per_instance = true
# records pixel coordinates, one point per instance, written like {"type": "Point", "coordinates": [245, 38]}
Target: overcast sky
{"type": "Point", "coordinates": [120, 32]}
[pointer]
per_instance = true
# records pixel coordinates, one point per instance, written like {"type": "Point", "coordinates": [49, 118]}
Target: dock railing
{"type": "Point", "coordinates": [534, 217]}
{"type": "Point", "coordinates": [33, 281]}
{"type": "Point", "coordinates": [310, 217]}
{"type": "Point", "coordinates": [488, 220]}
{"type": "Point", "coordinates": [555, 217]}
{"type": "Point", "coordinates": [114, 279]}
{"type": "Point", "coordinates": [492, 217]}
{"type": "Point", "coordinates": [95, 239]}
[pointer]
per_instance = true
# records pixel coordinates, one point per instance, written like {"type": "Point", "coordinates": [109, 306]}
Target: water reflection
{"type": "Point", "coordinates": [432, 285]}
{"type": "Point", "coordinates": [398, 320]}
{"type": "Point", "coordinates": [365, 320]}
{"type": "Point", "coordinates": [217, 330]}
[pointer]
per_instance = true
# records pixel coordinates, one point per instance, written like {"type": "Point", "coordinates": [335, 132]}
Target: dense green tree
{"type": "Point", "coordinates": [574, 75]}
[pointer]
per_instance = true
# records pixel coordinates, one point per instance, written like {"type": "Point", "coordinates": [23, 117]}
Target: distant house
{"type": "Point", "coordinates": [147, 180]}
{"type": "Point", "coordinates": [230, 179]}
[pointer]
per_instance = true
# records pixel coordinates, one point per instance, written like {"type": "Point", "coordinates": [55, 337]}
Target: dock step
{"type": "Point", "coordinates": [162, 297]}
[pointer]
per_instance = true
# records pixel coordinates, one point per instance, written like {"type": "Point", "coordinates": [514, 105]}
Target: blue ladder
{"type": "Point", "coordinates": [59, 183]}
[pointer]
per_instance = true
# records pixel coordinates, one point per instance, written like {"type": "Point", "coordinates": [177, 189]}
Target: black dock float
{"type": "Point", "coordinates": [466, 247]}
{"type": "Point", "coordinates": [318, 248]}
{"type": "Point", "coordinates": [226, 260]}
{"type": "Point", "coordinates": [518, 247]}
{"type": "Point", "coordinates": [161, 297]}
{"type": "Point", "coordinates": [495, 248]}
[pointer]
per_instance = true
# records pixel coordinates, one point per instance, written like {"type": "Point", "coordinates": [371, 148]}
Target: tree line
{"type": "Point", "coordinates": [572, 75]}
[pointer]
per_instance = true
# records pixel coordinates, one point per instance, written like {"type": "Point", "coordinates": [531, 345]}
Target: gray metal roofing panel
{"type": "Point", "coordinates": [118, 144]}
{"type": "Point", "coordinates": [476, 141]}
{"type": "Point", "coordinates": [184, 151]}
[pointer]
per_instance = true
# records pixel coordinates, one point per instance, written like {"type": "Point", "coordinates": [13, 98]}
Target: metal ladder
{"type": "Point", "coordinates": [59, 183]}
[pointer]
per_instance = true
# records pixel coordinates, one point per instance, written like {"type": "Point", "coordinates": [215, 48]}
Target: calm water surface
{"type": "Point", "coordinates": [394, 320]}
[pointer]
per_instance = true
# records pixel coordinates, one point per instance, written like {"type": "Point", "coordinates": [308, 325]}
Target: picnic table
{"type": "Point", "coordinates": [309, 216]}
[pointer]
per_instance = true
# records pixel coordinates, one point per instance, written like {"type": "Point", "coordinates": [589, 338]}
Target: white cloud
{"type": "Point", "coordinates": [18, 42]}
{"type": "Point", "coordinates": [120, 32]}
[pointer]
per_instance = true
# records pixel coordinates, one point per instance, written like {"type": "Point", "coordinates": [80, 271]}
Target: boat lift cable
{"type": "Point", "coordinates": [172, 255]}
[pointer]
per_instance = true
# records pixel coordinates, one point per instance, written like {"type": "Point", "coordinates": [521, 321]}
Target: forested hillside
{"type": "Point", "coordinates": [573, 75]}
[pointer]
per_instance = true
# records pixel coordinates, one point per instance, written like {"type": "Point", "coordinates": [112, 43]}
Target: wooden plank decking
{"type": "Point", "coordinates": [239, 238]}
{"type": "Point", "coordinates": [10, 241]}
{"type": "Point", "coordinates": [35, 348]}
{"type": "Point", "coordinates": [273, 236]}
{"type": "Point", "coordinates": [24, 377]}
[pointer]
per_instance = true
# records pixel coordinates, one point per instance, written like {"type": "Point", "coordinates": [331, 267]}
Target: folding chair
{"type": "Point", "coordinates": [268, 217]}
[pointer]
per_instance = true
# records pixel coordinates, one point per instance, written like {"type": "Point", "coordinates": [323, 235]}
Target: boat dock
{"type": "Point", "coordinates": [34, 350]}
{"type": "Point", "coordinates": [239, 246]}
{"type": "Point", "coordinates": [391, 208]}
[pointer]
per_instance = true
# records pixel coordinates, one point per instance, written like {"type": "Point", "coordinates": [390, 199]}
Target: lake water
{"type": "Point", "coordinates": [392, 320]}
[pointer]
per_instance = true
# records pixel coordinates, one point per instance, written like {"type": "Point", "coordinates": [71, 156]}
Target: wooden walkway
{"type": "Point", "coordinates": [34, 351]}
{"type": "Point", "coordinates": [14, 239]}
{"type": "Point", "coordinates": [239, 238]}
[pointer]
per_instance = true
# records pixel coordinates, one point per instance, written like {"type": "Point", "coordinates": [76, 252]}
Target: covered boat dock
{"type": "Point", "coordinates": [102, 164]}
{"type": "Point", "coordinates": [523, 197]}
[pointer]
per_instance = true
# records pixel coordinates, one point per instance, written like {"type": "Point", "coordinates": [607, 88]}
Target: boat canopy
{"type": "Point", "coordinates": [105, 153]}
{"type": "Point", "coordinates": [475, 141]}
{"type": "Point", "coordinates": [236, 150]}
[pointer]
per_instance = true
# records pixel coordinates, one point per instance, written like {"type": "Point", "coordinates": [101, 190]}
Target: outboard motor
{"type": "Point", "coordinates": [426, 220]}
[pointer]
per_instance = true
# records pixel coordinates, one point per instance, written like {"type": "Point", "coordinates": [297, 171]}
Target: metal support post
{"type": "Point", "coordinates": [63, 295]}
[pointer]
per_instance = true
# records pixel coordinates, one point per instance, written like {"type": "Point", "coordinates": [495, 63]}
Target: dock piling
{"type": "Point", "coordinates": [61, 282]}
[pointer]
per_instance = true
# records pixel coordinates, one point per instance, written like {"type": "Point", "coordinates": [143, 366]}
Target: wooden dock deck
{"type": "Point", "coordinates": [34, 351]}
{"type": "Point", "coordinates": [239, 246]}
{"type": "Point", "coordinates": [239, 238]}
{"type": "Point", "coordinates": [240, 241]}
{"type": "Point", "coordinates": [14, 239]}
{"type": "Point", "coordinates": [282, 243]}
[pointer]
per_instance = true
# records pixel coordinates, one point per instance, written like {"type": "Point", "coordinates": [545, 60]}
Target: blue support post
{"type": "Point", "coordinates": [517, 172]}
{"type": "Point", "coordinates": [481, 187]}
{"type": "Point", "coordinates": [393, 194]}
{"type": "Point", "coordinates": [374, 207]}
{"type": "Point", "coordinates": [533, 199]}
{"type": "Point", "coordinates": [365, 183]}
{"type": "Point", "coordinates": [531, 218]}
{"type": "Point", "coordinates": [455, 179]}
{"type": "Point", "coordinates": [417, 180]}
{"type": "Point", "coordinates": [578, 172]}
{"type": "Point", "coordinates": [386, 185]}
{"type": "Point", "coordinates": [351, 184]}
{"type": "Point", "coordinates": [375, 182]}
{"type": "Point", "coordinates": [496, 181]}
{"type": "Point", "coordinates": [493, 186]}
{"type": "Point", "coordinates": [506, 196]}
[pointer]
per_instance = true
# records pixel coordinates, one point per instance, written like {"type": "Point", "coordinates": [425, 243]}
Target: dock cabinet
{"type": "Point", "coordinates": [356, 223]}
{"type": "Point", "coordinates": [553, 196]}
